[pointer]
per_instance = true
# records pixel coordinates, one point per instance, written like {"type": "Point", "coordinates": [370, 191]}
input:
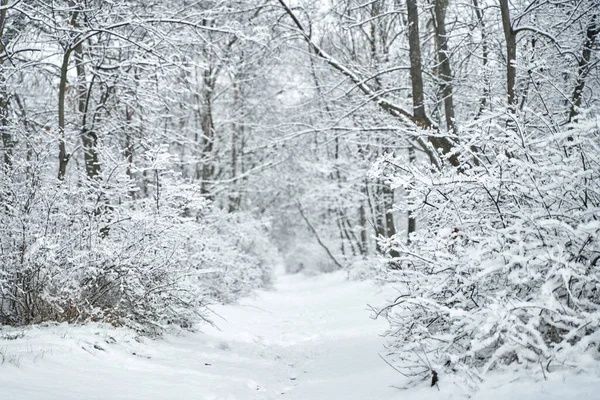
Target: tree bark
{"type": "Point", "coordinates": [236, 130]}
{"type": "Point", "coordinates": [416, 68]}
{"type": "Point", "coordinates": [63, 157]}
{"type": "Point", "coordinates": [412, 222]}
{"type": "Point", "coordinates": [364, 244]}
{"type": "Point", "coordinates": [7, 140]}
{"type": "Point", "coordinates": [591, 34]}
{"type": "Point", "coordinates": [484, 59]}
{"type": "Point", "coordinates": [445, 69]}
{"type": "Point", "coordinates": [416, 77]}
{"type": "Point", "coordinates": [129, 145]}
{"type": "Point", "coordinates": [208, 132]}
{"type": "Point", "coordinates": [511, 54]}
{"type": "Point", "coordinates": [89, 138]}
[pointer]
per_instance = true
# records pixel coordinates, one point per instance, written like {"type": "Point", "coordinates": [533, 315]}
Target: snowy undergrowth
{"type": "Point", "coordinates": [82, 250]}
{"type": "Point", "coordinates": [504, 270]}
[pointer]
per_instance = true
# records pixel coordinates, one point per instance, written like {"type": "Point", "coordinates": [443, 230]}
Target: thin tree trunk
{"type": "Point", "coordinates": [7, 140]}
{"type": "Point", "coordinates": [63, 157]}
{"type": "Point", "coordinates": [511, 54]}
{"type": "Point", "coordinates": [345, 231]}
{"type": "Point", "coordinates": [445, 69]}
{"type": "Point", "coordinates": [129, 145]}
{"type": "Point", "coordinates": [412, 223]}
{"type": "Point", "coordinates": [89, 138]}
{"type": "Point", "coordinates": [375, 60]}
{"type": "Point", "coordinates": [364, 247]}
{"type": "Point", "coordinates": [416, 68]}
{"type": "Point", "coordinates": [591, 34]}
{"type": "Point", "coordinates": [376, 213]}
{"type": "Point", "coordinates": [208, 132]}
{"type": "Point", "coordinates": [484, 59]}
{"type": "Point", "coordinates": [234, 198]}
{"type": "Point", "coordinates": [388, 206]}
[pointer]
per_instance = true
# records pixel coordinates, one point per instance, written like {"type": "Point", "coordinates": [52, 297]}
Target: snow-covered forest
{"type": "Point", "coordinates": [161, 159]}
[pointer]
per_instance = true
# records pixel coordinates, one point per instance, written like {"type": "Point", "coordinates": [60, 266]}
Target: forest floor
{"type": "Point", "coordinates": [310, 338]}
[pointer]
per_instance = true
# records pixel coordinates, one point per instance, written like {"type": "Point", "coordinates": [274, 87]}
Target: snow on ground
{"type": "Point", "coordinates": [310, 338]}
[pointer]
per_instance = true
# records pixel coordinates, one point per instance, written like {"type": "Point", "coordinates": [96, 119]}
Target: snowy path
{"type": "Point", "coordinates": [309, 339]}
{"type": "Point", "coordinates": [316, 340]}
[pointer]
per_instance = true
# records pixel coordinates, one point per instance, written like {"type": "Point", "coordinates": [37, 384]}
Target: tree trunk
{"type": "Point", "coordinates": [388, 206]}
{"type": "Point", "coordinates": [236, 129]}
{"type": "Point", "coordinates": [445, 69]}
{"type": "Point", "coordinates": [412, 223]}
{"type": "Point", "coordinates": [416, 77]}
{"type": "Point", "coordinates": [511, 54]}
{"type": "Point", "coordinates": [416, 68]}
{"type": "Point", "coordinates": [89, 138]}
{"type": "Point", "coordinates": [376, 213]}
{"type": "Point", "coordinates": [63, 157]}
{"type": "Point", "coordinates": [591, 34]}
{"type": "Point", "coordinates": [484, 59]}
{"type": "Point", "coordinates": [128, 151]}
{"type": "Point", "coordinates": [208, 132]}
{"type": "Point", "coordinates": [7, 141]}
{"type": "Point", "coordinates": [364, 244]}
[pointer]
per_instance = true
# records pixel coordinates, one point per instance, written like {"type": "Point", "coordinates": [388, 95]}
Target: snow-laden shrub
{"type": "Point", "coordinates": [237, 248]}
{"type": "Point", "coordinates": [83, 250]}
{"type": "Point", "coordinates": [505, 265]}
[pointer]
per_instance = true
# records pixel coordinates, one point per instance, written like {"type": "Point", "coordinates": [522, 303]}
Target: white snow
{"type": "Point", "coordinates": [310, 338]}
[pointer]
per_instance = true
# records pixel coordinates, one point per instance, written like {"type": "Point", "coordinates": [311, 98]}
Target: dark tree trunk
{"type": "Point", "coordinates": [236, 131]}
{"type": "Point", "coordinates": [63, 157]}
{"type": "Point", "coordinates": [89, 138]}
{"type": "Point", "coordinates": [208, 132]}
{"type": "Point", "coordinates": [442, 144]}
{"type": "Point", "coordinates": [388, 205]}
{"type": "Point", "coordinates": [129, 145]}
{"type": "Point", "coordinates": [412, 223]}
{"type": "Point", "coordinates": [484, 59]}
{"type": "Point", "coordinates": [416, 68]}
{"type": "Point", "coordinates": [445, 69]}
{"type": "Point", "coordinates": [7, 141]}
{"type": "Point", "coordinates": [511, 54]}
{"type": "Point", "coordinates": [364, 244]}
{"type": "Point", "coordinates": [591, 34]}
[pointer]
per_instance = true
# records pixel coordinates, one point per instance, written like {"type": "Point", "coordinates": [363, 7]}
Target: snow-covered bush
{"type": "Point", "coordinates": [505, 265]}
{"type": "Point", "coordinates": [236, 246]}
{"type": "Point", "coordinates": [83, 250]}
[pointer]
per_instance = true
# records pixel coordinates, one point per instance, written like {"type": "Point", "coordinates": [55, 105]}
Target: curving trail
{"type": "Point", "coordinates": [311, 338]}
